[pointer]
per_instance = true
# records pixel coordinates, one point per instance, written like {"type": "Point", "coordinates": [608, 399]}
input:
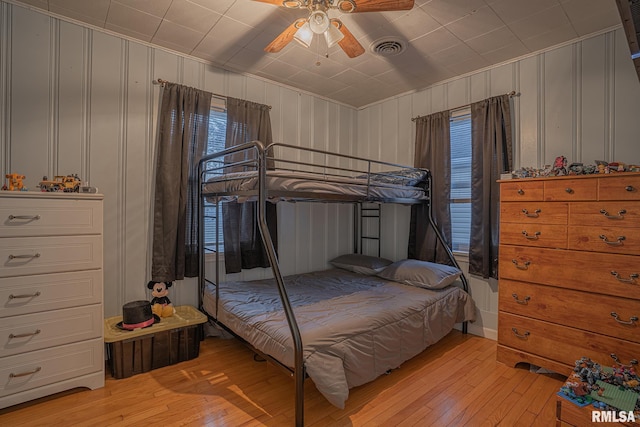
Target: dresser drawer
{"type": "Point", "coordinates": [593, 272]}
{"type": "Point", "coordinates": [619, 187]}
{"type": "Point", "coordinates": [581, 310]}
{"type": "Point", "coordinates": [38, 255]}
{"type": "Point", "coordinates": [534, 212]}
{"type": "Point", "coordinates": [542, 235]}
{"type": "Point", "coordinates": [570, 189]}
{"type": "Point", "coordinates": [20, 334]}
{"type": "Point", "coordinates": [36, 216]}
{"type": "Point", "coordinates": [605, 214]}
{"type": "Point", "coordinates": [39, 368]}
{"type": "Point", "coordinates": [617, 240]}
{"type": "Point", "coordinates": [521, 190]}
{"type": "Point", "coordinates": [559, 343]}
{"type": "Point", "coordinates": [31, 294]}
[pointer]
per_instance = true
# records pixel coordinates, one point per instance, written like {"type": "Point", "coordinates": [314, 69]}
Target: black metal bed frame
{"type": "Point", "coordinates": [256, 157]}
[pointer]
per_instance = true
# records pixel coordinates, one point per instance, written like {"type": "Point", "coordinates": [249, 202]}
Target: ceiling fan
{"type": "Point", "coordinates": [318, 22]}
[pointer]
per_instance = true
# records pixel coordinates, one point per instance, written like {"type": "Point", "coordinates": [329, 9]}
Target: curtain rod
{"type": "Point", "coordinates": [511, 95]}
{"type": "Point", "coordinates": [162, 82]}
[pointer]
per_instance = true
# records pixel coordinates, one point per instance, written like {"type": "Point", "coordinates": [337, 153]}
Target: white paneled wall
{"type": "Point", "coordinates": [78, 100]}
{"type": "Point", "coordinates": [580, 100]}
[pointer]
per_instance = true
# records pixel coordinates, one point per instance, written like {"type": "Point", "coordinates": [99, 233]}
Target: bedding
{"type": "Point", "coordinates": [304, 182]}
{"type": "Point", "coordinates": [359, 263]}
{"type": "Point", "coordinates": [354, 327]}
{"type": "Point", "coordinates": [423, 274]}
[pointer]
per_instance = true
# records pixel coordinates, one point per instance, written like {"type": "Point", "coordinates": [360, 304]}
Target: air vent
{"type": "Point", "coordinates": [388, 47]}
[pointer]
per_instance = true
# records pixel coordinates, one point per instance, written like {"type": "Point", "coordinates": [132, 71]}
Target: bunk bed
{"type": "Point", "coordinates": [343, 326]}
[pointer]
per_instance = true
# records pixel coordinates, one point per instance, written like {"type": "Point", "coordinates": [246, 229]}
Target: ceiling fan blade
{"type": "Point", "coordinates": [349, 44]}
{"type": "Point", "coordinates": [376, 5]}
{"type": "Point", "coordinates": [274, 2]}
{"type": "Point", "coordinates": [291, 4]}
{"type": "Point", "coordinates": [285, 37]}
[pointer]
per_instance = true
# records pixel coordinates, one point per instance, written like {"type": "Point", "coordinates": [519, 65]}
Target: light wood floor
{"type": "Point", "coordinates": [456, 382]}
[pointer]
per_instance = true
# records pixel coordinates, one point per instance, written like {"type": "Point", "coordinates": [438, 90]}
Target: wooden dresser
{"type": "Point", "coordinates": [51, 313]}
{"type": "Point", "coordinates": [569, 270]}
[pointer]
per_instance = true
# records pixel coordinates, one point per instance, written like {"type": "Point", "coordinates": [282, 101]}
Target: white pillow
{"type": "Point", "coordinates": [422, 274]}
{"type": "Point", "coordinates": [358, 263]}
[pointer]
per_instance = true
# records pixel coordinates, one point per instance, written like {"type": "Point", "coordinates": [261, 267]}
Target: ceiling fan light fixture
{"type": "Point", "coordinates": [319, 22]}
{"type": "Point", "coordinates": [292, 4]}
{"type": "Point", "coordinates": [304, 35]}
{"type": "Point", "coordinates": [333, 35]}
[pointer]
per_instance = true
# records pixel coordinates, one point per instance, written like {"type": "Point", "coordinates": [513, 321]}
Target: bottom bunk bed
{"type": "Point", "coordinates": [354, 326]}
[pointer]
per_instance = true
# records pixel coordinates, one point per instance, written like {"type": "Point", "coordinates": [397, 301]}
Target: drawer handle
{"type": "Point", "coordinates": [520, 191]}
{"type": "Point", "coordinates": [535, 214]}
{"type": "Point", "coordinates": [612, 243]}
{"type": "Point", "coordinates": [569, 190]}
{"type": "Point", "coordinates": [630, 188]}
{"type": "Point", "coordinates": [534, 236]}
{"type": "Point", "coordinates": [525, 265]}
{"type": "Point", "coordinates": [619, 216]}
{"type": "Point", "coordinates": [631, 320]}
{"type": "Point", "coordinates": [24, 374]}
{"type": "Point", "coordinates": [631, 362]}
{"type": "Point", "coordinates": [27, 217]}
{"type": "Point", "coordinates": [27, 334]}
{"type": "Point", "coordinates": [12, 296]}
{"type": "Point", "coordinates": [632, 277]}
{"type": "Point", "coordinates": [12, 256]}
{"type": "Point", "coordinates": [519, 335]}
{"type": "Point", "coordinates": [524, 301]}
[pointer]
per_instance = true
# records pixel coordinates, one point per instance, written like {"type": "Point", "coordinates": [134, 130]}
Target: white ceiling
{"type": "Point", "coordinates": [445, 38]}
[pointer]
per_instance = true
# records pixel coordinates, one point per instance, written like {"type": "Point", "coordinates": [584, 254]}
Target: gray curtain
{"type": "Point", "coordinates": [246, 121]}
{"type": "Point", "coordinates": [183, 127]}
{"type": "Point", "coordinates": [432, 151]}
{"type": "Point", "coordinates": [491, 155]}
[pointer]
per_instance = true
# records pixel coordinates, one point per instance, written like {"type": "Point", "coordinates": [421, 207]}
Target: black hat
{"type": "Point", "coordinates": [136, 315]}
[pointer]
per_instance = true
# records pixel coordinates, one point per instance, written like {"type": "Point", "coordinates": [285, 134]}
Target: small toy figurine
{"type": "Point", "coordinates": [161, 304]}
{"type": "Point", "coordinates": [559, 166]}
{"type": "Point", "coordinates": [14, 183]}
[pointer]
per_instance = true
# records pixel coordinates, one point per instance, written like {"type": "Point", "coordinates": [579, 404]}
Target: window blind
{"type": "Point", "coordinates": [215, 142]}
{"type": "Point", "coordinates": [460, 203]}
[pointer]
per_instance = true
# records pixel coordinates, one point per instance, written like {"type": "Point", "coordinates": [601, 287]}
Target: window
{"type": "Point", "coordinates": [215, 142]}
{"type": "Point", "coordinates": [460, 203]}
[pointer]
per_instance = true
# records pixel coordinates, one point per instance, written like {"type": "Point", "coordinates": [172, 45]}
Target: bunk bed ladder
{"type": "Point", "coordinates": [367, 214]}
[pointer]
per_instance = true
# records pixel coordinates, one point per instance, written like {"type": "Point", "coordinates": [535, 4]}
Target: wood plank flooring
{"type": "Point", "coordinates": [456, 382]}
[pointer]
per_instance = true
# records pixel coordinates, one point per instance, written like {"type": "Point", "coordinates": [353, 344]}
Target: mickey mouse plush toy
{"type": "Point", "coordinates": [160, 304]}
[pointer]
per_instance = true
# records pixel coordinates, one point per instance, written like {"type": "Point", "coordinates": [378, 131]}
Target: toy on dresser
{"type": "Point", "coordinates": [161, 304]}
{"type": "Point", "coordinates": [14, 182]}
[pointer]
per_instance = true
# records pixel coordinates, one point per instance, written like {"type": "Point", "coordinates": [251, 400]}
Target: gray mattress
{"type": "Point", "coordinates": [303, 182]}
{"type": "Point", "coordinates": [354, 327]}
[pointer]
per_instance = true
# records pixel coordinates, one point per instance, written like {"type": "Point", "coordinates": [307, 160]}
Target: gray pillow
{"type": "Point", "coordinates": [422, 274]}
{"type": "Point", "coordinates": [358, 263]}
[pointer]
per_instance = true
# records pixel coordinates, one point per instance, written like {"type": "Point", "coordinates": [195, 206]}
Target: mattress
{"type": "Point", "coordinates": [309, 183]}
{"type": "Point", "coordinates": [354, 327]}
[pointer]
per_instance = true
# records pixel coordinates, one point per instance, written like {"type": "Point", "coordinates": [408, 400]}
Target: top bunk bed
{"type": "Point", "coordinates": [294, 173]}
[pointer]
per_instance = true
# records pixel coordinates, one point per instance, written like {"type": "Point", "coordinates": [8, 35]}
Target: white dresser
{"type": "Point", "coordinates": [51, 313]}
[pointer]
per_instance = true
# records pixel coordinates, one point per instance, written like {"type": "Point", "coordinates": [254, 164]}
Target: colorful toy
{"type": "Point", "coordinates": [559, 166]}
{"type": "Point", "coordinates": [161, 304]}
{"type": "Point", "coordinates": [67, 184]}
{"type": "Point", "coordinates": [14, 183]}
